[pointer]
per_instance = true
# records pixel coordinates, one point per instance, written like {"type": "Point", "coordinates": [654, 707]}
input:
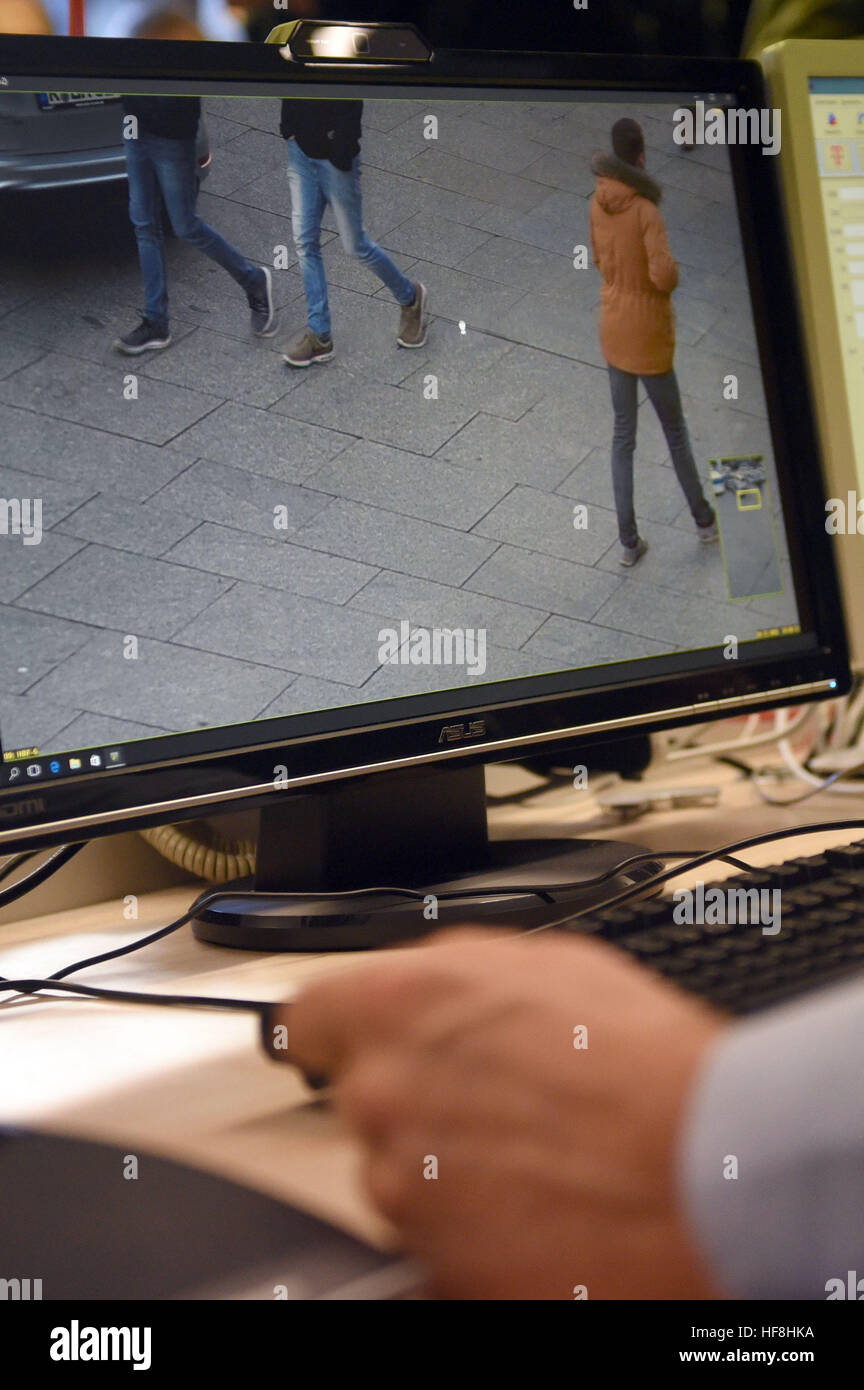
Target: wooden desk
{"type": "Point", "coordinates": [195, 1086]}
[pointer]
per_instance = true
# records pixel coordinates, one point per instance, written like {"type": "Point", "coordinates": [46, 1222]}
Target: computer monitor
{"type": "Point", "coordinates": [819, 87]}
{"type": "Point", "coordinates": [334, 593]}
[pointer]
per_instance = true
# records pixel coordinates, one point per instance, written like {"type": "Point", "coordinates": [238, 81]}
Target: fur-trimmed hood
{"type": "Point", "coordinates": [619, 182]}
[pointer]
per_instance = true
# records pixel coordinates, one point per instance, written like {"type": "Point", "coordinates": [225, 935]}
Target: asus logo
{"type": "Point", "coordinates": [459, 733]}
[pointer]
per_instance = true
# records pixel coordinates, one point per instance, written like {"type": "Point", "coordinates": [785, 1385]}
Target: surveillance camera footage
{"type": "Point", "coordinates": [311, 403]}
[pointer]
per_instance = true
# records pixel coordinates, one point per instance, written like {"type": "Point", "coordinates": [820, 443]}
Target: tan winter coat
{"type": "Point", "coordinates": [630, 249]}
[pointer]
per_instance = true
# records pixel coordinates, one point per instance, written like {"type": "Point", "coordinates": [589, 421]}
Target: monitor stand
{"type": "Point", "coordinates": [420, 828]}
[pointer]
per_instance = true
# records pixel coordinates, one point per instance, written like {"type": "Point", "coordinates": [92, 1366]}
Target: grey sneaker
{"type": "Point", "coordinates": [412, 322]}
{"type": "Point", "coordinates": [630, 554]}
{"type": "Point", "coordinates": [309, 348]}
{"type": "Point", "coordinates": [708, 534]}
{"type": "Point", "coordinates": [261, 306]}
{"type": "Point", "coordinates": [147, 337]}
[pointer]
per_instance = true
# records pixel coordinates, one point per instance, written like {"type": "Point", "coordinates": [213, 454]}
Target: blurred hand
{"type": "Point", "coordinates": [555, 1149]}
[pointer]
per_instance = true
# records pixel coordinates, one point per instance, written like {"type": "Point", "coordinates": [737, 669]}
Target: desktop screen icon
{"type": "Point", "coordinates": [34, 769]}
{"type": "Point", "coordinates": [75, 764]}
{"type": "Point", "coordinates": [95, 760]}
{"type": "Point", "coordinates": [14, 774]}
{"type": "Point", "coordinates": [55, 766]}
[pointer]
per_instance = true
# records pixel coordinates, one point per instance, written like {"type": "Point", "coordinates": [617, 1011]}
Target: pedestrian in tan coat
{"type": "Point", "coordinates": [637, 325]}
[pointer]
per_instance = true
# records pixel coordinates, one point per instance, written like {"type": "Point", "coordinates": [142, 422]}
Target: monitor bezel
{"type": "Point", "coordinates": [505, 720]}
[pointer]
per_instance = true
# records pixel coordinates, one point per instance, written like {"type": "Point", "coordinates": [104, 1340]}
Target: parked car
{"type": "Point", "coordinates": [58, 139]}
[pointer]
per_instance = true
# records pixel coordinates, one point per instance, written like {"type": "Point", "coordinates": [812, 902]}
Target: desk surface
{"type": "Point", "coordinates": [194, 1085]}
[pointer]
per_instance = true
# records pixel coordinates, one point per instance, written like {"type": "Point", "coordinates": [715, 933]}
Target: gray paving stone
{"type": "Point", "coordinates": [33, 645]}
{"type": "Point", "coordinates": [364, 336]}
{"type": "Point", "coordinates": [141, 596]}
{"type": "Point", "coordinates": [658, 496]}
{"type": "Point", "coordinates": [494, 376]}
{"type": "Point", "coordinates": [697, 178]}
{"type": "Point", "coordinates": [490, 185]}
{"type": "Point", "coordinates": [255, 232]}
{"type": "Point", "coordinates": [22, 565]}
{"type": "Point", "coordinates": [14, 354]}
{"type": "Point", "coordinates": [548, 584]}
{"type": "Point", "coordinates": [453, 295]}
{"type": "Point", "coordinates": [29, 721]}
{"type": "Point", "coordinates": [657, 613]}
{"type": "Point", "coordinates": [70, 389]}
{"type": "Point", "coordinates": [242, 500]}
{"type": "Point", "coordinates": [468, 139]}
{"type": "Point", "coordinates": [392, 149]}
{"type": "Point", "coordinates": [75, 455]}
{"type": "Point", "coordinates": [144, 528]}
{"type": "Point", "coordinates": [502, 663]}
{"type": "Point", "coordinates": [252, 373]}
{"type": "Point", "coordinates": [101, 731]}
{"type": "Point", "coordinates": [425, 604]}
{"type": "Point", "coordinates": [513, 451]}
{"type": "Point", "coordinates": [676, 560]}
{"type": "Point", "coordinates": [514, 263]}
{"type": "Point", "coordinates": [288, 633]}
{"type": "Point", "coordinates": [562, 169]}
{"type": "Point", "coordinates": [562, 644]}
{"type": "Point", "coordinates": [262, 442]}
{"type": "Point", "coordinates": [441, 240]}
{"type": "Point", "coordinates": [410, 546]}
{"type": "Point", "coordinates": [58, 498]}
{"type": "Point", "coordinates": [346, 400]}
{"type": "Point", "coordinates": [401, 482]}
{"type": "Point", "coordinates": [167, 678]}
{"type": "Point", "coordinates": [202, 293]}
{"type": "Point", "coordinates": [558, 323]}
{"type": "Point", "coordinates": [389, 113]}
{"type": "Point", "coordinates": [273, 563]}
{"type": "Point", "coordinates": [262, 113]}
{"type": "Point", "coordinates": [259, 148]}
{"type": "Point", "coordinates": [78, 324]}
{"type": "Point", "coordinates": [543, 521]}
{"type": "Point", "coordinates": [308, 694]}
{"type": "Point", "coordinates": [557, 224]}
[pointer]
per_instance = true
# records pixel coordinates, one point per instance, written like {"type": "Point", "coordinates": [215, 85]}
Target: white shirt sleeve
{"type": "Point", "coordinates": [772, 1150]}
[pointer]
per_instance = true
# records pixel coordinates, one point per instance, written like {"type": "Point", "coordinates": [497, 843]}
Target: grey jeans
{"type": "Point", "coordinates": [665, 397]}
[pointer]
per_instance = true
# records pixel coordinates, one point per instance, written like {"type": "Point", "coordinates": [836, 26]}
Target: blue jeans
{"type": "Point", "coordinates": [665, 397]}
{"type": "Point", "coordinates": [314, 183]}
{"type": "Point", "coordinates": [156, 164]}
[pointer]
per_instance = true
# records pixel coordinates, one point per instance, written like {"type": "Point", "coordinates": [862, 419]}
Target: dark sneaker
{"type": "Point", "coordinates": [630, 554]}
{"type": "Point", "coordinates": [412, 322]}
{"type": "Point", "coordinates": [309, 348]}
{"type": "Point", "coordinates": [708, 534]}
{"type": "Point", "coordinates": [147, 337]}
{"type": "Point", "coordinates": [261, 305]}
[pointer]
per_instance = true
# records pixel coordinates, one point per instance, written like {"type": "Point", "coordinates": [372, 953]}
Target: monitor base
{"type": "Point", "coordinates": [420, 829]}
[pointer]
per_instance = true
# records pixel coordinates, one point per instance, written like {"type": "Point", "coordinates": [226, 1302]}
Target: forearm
{"type": "Point", "coordinates": [772, 1151]}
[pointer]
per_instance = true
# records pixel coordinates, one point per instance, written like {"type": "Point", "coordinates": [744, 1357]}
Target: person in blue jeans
{"type": "Point", "coordinates": [323, 139]}
{"type": "Point", "coordinates": [162, 164]}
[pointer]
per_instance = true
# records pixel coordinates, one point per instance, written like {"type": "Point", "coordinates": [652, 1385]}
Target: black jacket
{"type": "Point", "coordinates": [324, 129]}
{"type": "Point", "coordinates": [174, 118]}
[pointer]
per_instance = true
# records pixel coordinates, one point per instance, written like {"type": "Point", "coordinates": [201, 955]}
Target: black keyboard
{"type": "Point", "coordinates": [737, 966]}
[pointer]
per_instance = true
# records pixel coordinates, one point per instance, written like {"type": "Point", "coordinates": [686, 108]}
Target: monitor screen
{"type": "Point", "coordinates": [313, 402]}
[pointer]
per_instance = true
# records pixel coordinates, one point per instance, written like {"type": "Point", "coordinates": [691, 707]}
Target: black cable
{"type": "Point", "coordinates": [45, 870]}
{"type": "Point", "coordinates": [189, 1001]}
{"type": "Point", "coordinates": [15, 863]}
{"type": "Point", "coordinates": [692, 861]}
{"type": "Point", "coordinates": [708, 857]}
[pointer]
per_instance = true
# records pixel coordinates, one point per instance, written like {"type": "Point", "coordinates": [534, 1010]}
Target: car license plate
{"type": "Point", "coordinates": [49, 101]}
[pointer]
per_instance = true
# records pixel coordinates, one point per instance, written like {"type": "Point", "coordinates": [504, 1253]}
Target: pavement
{"type": "Point", "coordinates": [396, 500]}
